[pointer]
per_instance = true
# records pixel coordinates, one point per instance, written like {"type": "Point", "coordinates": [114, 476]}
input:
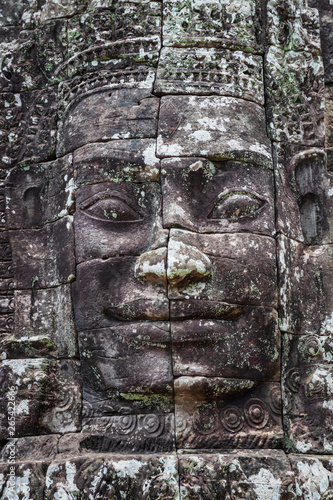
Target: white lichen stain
{"type": "Point", "coordinates": [53, 468]}
{"type": "Point", "coordinates": [128, 468]}
{"type": "Point", "coordinates": [22, 407]}
{"type": "Point", "coordinates": [149, 155]}
{"type": "Point", "coordinates": [266, 486]}
{"type": "Point", "coordinates": [303, 447]}
{"type": "Point", "coordinates": [314, 479]}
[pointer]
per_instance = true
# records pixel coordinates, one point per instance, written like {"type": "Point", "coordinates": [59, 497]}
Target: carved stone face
{"type": "Point", "coordinates": [175, 290]}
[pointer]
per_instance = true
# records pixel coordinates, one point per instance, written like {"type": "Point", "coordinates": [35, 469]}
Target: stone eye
{"type": "Point", "coordinates": [111, 209]}
{"type": "Point", "coordinates": [235, 205]}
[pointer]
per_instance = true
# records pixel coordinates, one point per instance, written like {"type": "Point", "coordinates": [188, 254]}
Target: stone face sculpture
{"type": "Point", "coordinates": [166, 246]}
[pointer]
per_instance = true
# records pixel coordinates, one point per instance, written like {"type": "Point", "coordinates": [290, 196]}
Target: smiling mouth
{"type": "Point", "coordinates": [174, 310]}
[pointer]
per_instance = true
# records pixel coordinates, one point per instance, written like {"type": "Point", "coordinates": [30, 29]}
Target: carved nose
{"type": "Point", "coordinates": [186, 262]}
{"type": "Point", "coordinates": [151, 267]}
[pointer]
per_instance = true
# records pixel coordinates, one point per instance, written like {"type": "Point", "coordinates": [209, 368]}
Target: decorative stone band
{"type": "Point", "coordinates": [210, 71]}
{"type": "Point", "coordinates": [72, 91]}
{"type": "Point", "coordinates": [216, 23]}
{"type": "Point", "coordinates": [116, 55]}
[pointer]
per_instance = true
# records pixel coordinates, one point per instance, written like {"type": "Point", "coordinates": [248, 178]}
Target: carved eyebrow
{"type": "Point", "coordinates": [228, 193]}
{"type": "Point", "coordinates": [246, 157]}
{"type": "Point", "coordinates": [102, 195]}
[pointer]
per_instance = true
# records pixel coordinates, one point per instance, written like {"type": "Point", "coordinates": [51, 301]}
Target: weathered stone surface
{"type": "Point", "coordinates": [218, 267]}
{"type": "Point", "coordinates": [293, 26]}
{"type": "Point", "coordinates": [126, 369]}
{"type": "Point", "coordinates": [303, 206]}
{"type": "Point", "coordinates": [118, 56]}
{"type": "Point", "coordinates": [295, 74]}
{"type": "Point", "coordinates": [47, 397]}
{"type": "Point", "coordinates": [125, 160]}
{"type": "Point", "coordinates": [210, 71]}
{"type": "Point", "coordinates": [44, 257]}
{"type": "Point", "coordinates": [227, 413]}
{"type": "Point", "coordinates": [108, 290]}
{"type": "Point", "coordinates": [11, 12]}
{"type": "Point", "coordinates": [135, 478]}
{"type": "Point", "coordinates": [329, 117]}
{"type": "Point", "coordinates": [296, 108]}
{"type": "Point", "coordinates": [31, 448]}
{"type": "Point", "coordinates": [28, 480]}
{"type": "Point", "coordinates": [308, 392]}
{"type": "Point", "coordinates": [36, 194]}
{"type": "Point", "coordinates": [122, 20]}
{"type": "Point", "coordinates": [313, 476]}
{"type": "Point", "coordinates": [229, 196]}
{"type": "Point", "coordinates": [217, 23]}
{"type": "Point", "coordinates": [259, 475]}
{"type": "Point", "coordinates": [177, 274]}
{"type": "Point", "coordinates": [326, 35]}
{"type": "Point", "coordinates": [215, 348]}
{"type": "Point", "coordinates": [27, 127]}
{"type": "Point", "coordinates": [152, 432]}
{"type": "Point", "coordinates": [43, 325]}
{"type": "Point", "coordinates": [30, 13]}
{"type": "Point", "coordinates": [219, 127]}
{"type": "Point", "coordinates": [105, 115]}
{"type": "Point", "coordinates": [305, 287]}
{"type": "Point", "coordinates": [118, 218]}
{"type": "Point", "coordinates": [35, 58]}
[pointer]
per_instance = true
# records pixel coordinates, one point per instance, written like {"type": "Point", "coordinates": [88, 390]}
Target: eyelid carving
{"type": "Point", "coordinates": [126, 211]}
{"type": "Point", "coordinates": [235, 205]}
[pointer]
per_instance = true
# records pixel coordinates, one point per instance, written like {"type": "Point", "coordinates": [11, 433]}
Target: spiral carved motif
{"type": "Point", "coordinates": [232, 419]}
{"type": "Point", "coordinates": [275, 401]}
{"type": "Point", "coordinates": [153, 424]}
{"type": "Point", "coordinates": [293, 380]}
{"type": "Point", "coordinates": [205, 421]}
{"type": "Point", "coordinates": [312, 346]}
{"type": "Point", "coordinates": [256, 413]}
{"type": "Point", "coordinates": [126, 424]}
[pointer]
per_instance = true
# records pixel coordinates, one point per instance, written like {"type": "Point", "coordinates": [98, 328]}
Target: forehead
{"type": "Point", "coordinates": [211, 126]}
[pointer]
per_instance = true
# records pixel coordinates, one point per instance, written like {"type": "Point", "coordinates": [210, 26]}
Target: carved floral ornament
{"type": "Point", "coordinates": [166, 250]}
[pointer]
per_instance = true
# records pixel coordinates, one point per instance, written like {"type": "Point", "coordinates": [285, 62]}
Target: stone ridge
{"type": "Point", "coordinates": [165, 249]}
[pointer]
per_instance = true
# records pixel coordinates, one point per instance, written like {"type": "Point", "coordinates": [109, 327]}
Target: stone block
{"type": "Point", "coordinates": [308, 392]}
{"type": "Point", "coordinates": [122, 20]}
{"type": "Point", "coordinates": [205, 196]}
{"type": "Point", "coordinates": [296, 103]}
{"type": "Point", "coordinates": [44, 47]}
{"type": "Point", "coordinates": [247, 346]}
{"type": "Point", "coordinates": [217, 23]}
{"type": "Point", "coordinates": [259, 475]}
{"type": "Point", "coordinates": [146, 433]}
{"type": "Point", "coordinates": [303, 202]}
{"type": "Point", "coordinates": [313, 476]}
{"type": "Point", "coordinates": [28, 126]}
{"type": "Point", "coordinates": [235, 268]}
{"type": "Point", "coordinates": [22, 480]}
{"type": "Point", "coordinates": [118, 476]}
{"type": "Point", "coordinates": [126, 369]}
{"type": "Point", "coordinates": [44, 257]}
{"type": "Point", "coordinates": [118, 218]}
{"type": "Point", "coordinates": [214, 127]}
{"type": "Point", "coordinates": [108, 114]}
{"type": "Point", "coordinates": [36, 194]}
{"type": "Point", "coordinates": [228, 413]}
{"type": "Point", "coordinates": [293, 26]}
{"type": "Point", "coordinates": [107, 291]}
{"type": "Point", "coordinates": [209, 71]}
{"type": "Point", "coordinates": [43, 325]}
{"type": "Point", "coordinates": [305, 300]}
{"type": "Point", "coordinates": [44, 394]}
{"type": "Point", "coordinates": [125, 160]}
